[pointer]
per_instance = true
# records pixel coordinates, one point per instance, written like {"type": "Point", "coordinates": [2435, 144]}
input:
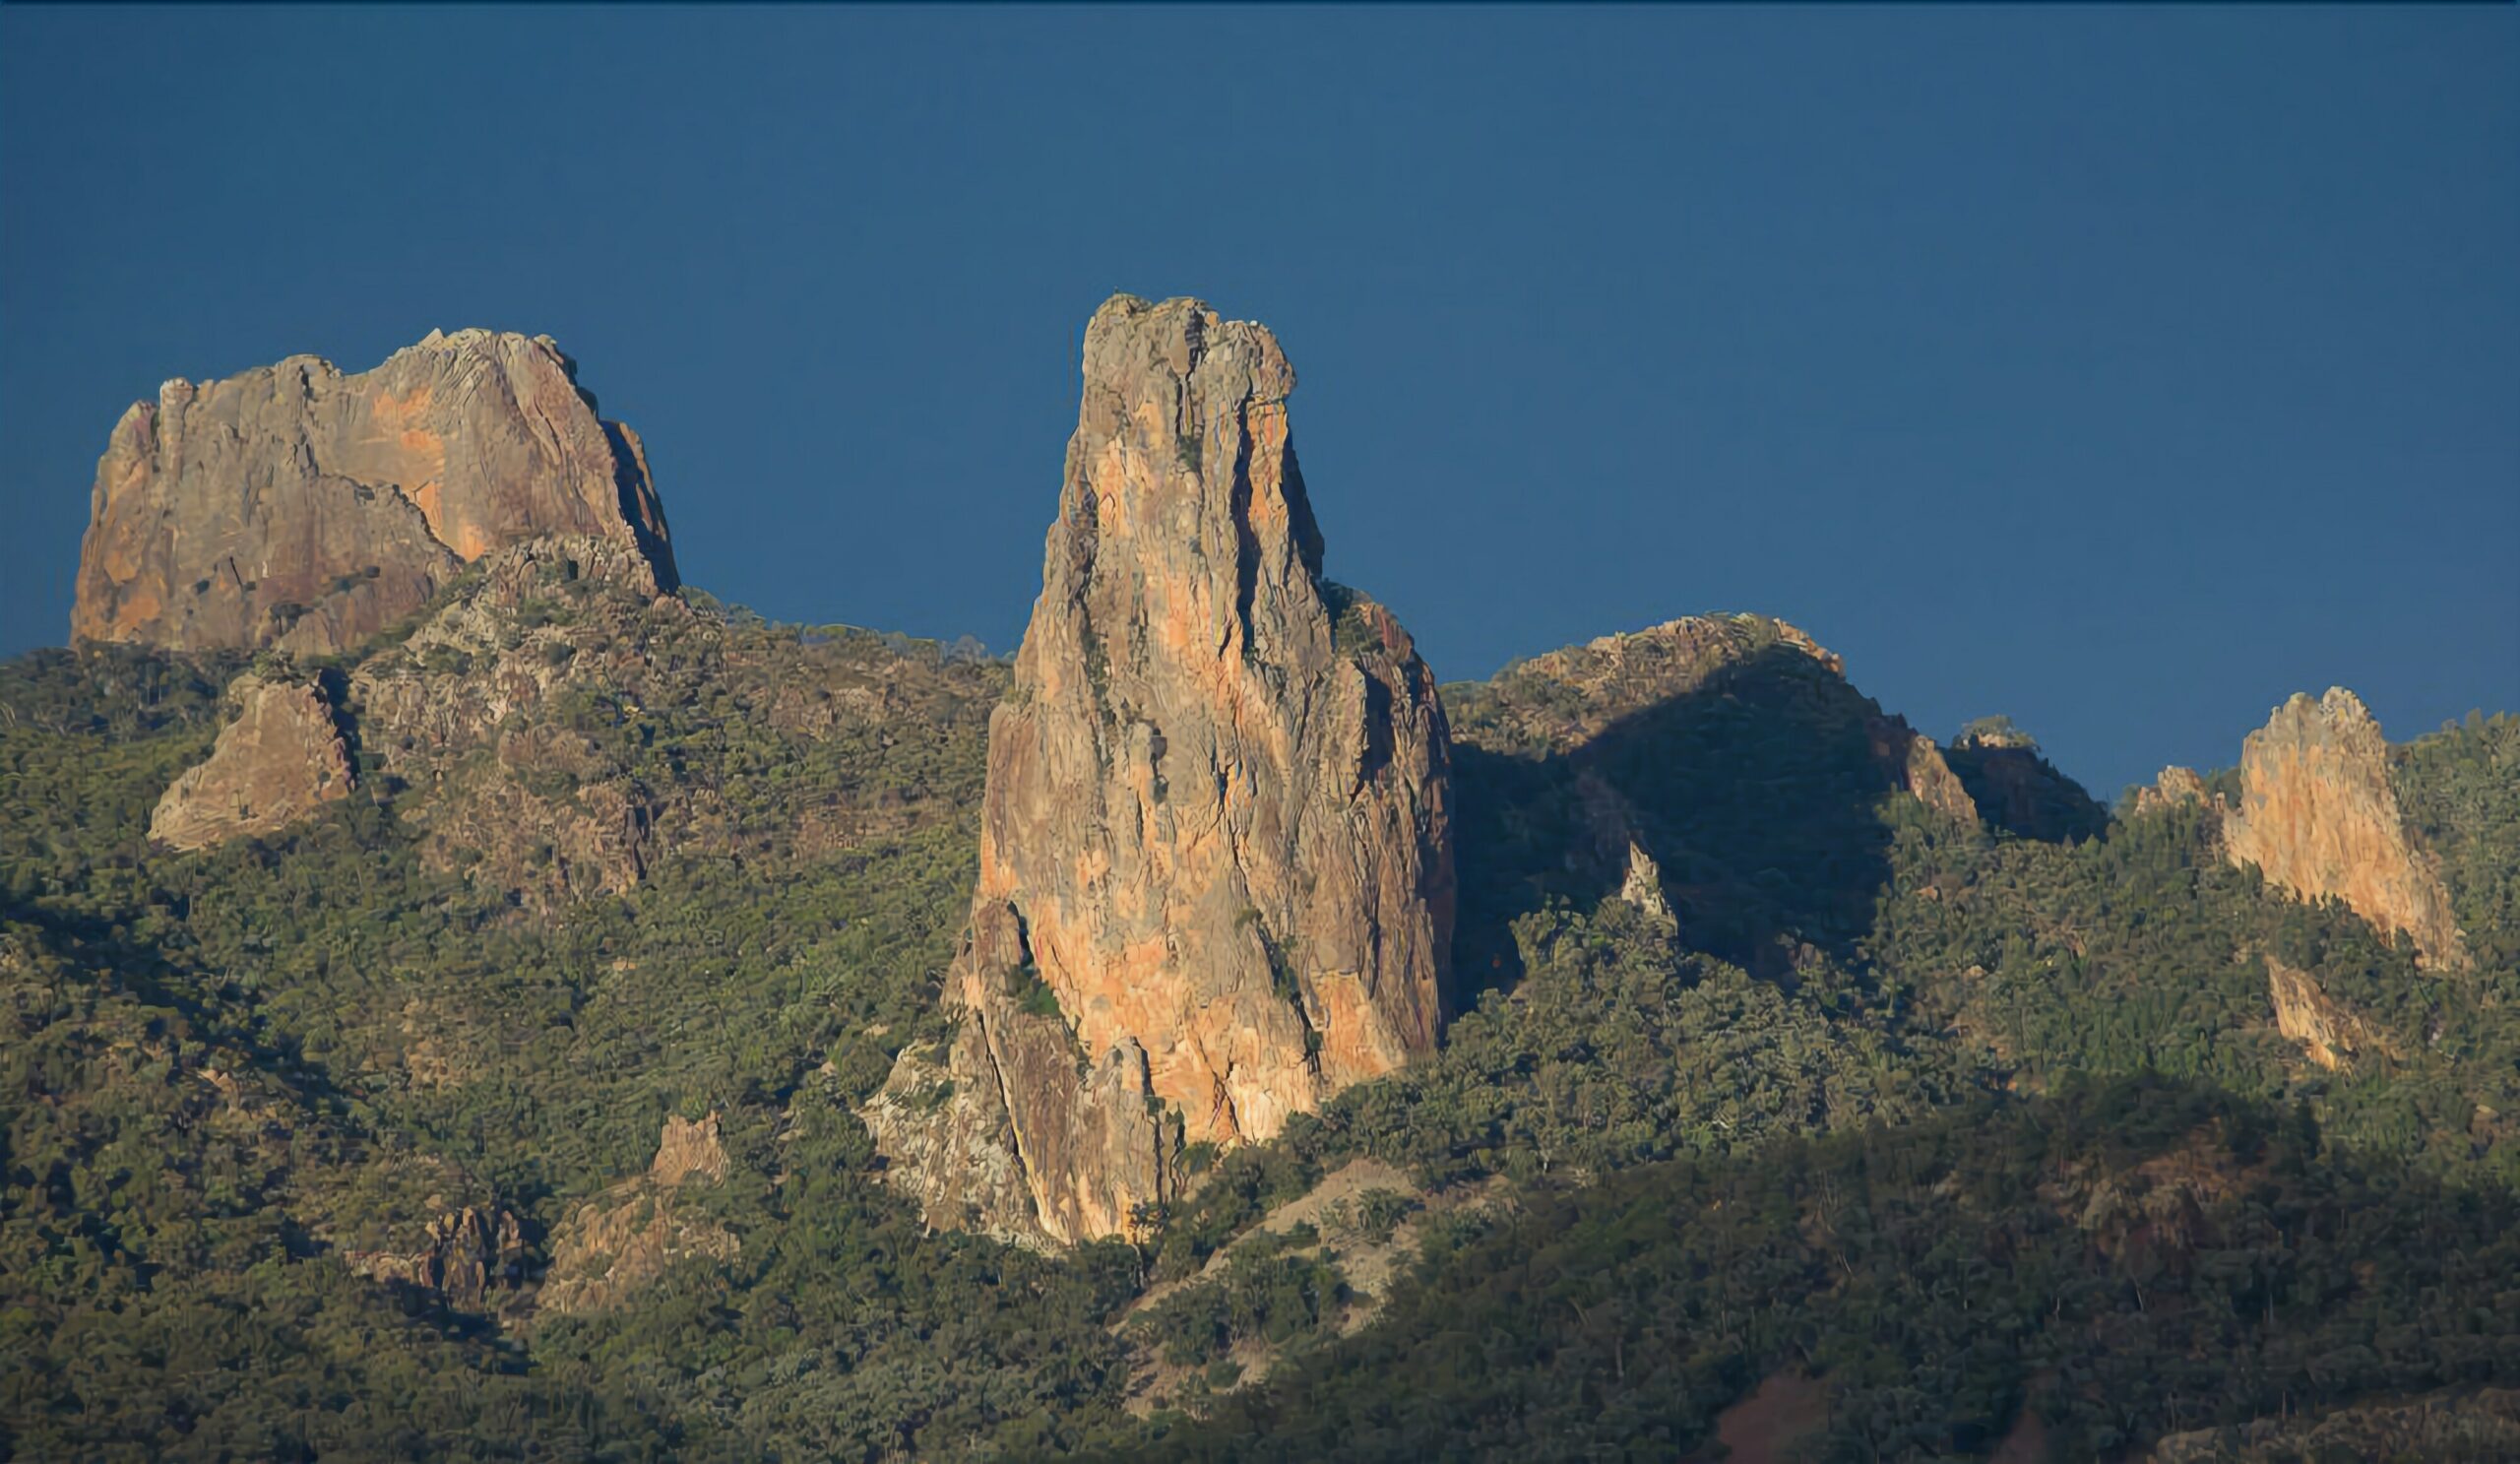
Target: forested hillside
{"type": "Point", "coordinates": [1969, 1127]}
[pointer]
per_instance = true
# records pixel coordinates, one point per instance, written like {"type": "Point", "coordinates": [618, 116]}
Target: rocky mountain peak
{"type": "Point", "coordinates": [1216, 862]}
{"type": "Point", "coordinates": [297, 506]}
{"type": "Point", "coordinates": [2318, 816]}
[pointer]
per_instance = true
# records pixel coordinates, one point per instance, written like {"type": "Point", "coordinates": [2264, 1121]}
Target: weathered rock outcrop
{"type": "Point", "coordinates": [618, 1244]}
{"type": "Point", "coordinates": [2318, 817]}
{"type": "Point", "coordinates": [506, 727]}
{"type": "Point", "coordinates": [456, 684]}
{"type": "Point", "coordinates": [2175, 787]}
{"type": "Point", "coordinates": [1642, 886]}
{"type": "Point", "coordinates": [2332, 1035]}
{"type": "Point", "coordinates": [549, 814]}
{"type": "Point", "coordinates": [296, 506]}
{"type": "Point", "coordinates": [467, 1255]}
{"type": "Point", "coordinates": [280, 758]}
{"type": "Point", "coordinates": [1216, 864]}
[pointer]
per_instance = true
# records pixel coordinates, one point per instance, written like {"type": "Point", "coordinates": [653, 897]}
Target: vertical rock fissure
{"type": "Point", "coordinates": [1024, 1167]}
{"type": "Point", "coordinates": [1246, 566]}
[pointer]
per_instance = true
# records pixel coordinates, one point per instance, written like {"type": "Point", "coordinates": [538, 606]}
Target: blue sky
{"type": "Point", "coordinates": [2123, 370]}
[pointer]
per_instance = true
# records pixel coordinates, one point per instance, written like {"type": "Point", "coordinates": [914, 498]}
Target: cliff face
{"type": "Point", "coordinates": [2318, 817]}
{"type": "Point", "coordinates": [1914, 763]}
{"type": "Point", "coordinates": [280, 758]}
{"type": "Point", "coordinates": [296, 506]}
{"type": "Point", "coordinates": [1216, 860]}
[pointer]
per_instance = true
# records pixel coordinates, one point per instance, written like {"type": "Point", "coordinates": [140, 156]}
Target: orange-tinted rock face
{"type": "Point", "coordinates": [296, 506]}
{"type": "Point", "coordinates": [1216, 869]}
{"type": "Point", "coordinates": [2330, 1035]}
{"type": "Point", "coordinates": [281, 758]}
{"type": "Point", "coordinates": [2318, 817]}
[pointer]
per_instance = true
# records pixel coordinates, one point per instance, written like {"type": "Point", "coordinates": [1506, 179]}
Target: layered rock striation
{"type": "Point", "coordinates": [296, 506]}
{"type": "Point", "coordinates": [2317, 817]}
{"type": "Point", "coordinates": [1215, 859]}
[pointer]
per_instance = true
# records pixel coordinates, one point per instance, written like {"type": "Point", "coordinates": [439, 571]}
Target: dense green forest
{"type": "Point", "coordinates": [1969, 1124]}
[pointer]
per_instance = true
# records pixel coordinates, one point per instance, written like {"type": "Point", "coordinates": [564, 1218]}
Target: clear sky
{"type": "Point", "coordinates": [2123, 370]}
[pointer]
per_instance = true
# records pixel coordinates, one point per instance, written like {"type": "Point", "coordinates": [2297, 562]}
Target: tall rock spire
{"type": "Point", "coordinates": [1216, 864]}
{"type": "Point", "coordinates": [2317, 815]}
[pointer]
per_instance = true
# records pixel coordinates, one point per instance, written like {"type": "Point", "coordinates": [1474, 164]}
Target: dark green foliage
{"type": "Point", "coordinates": [1032, 993]}
{"type": "Point", "coordinates": [2123, 1260]}
{"type": "Point", "coordinates": [1274, 1289]}
{"type": "Point", "coordinates": [1614, 1051]}
{"type": "Point", "coordinates": [399, 1042]}
{"type": "Point", "coordinates": [2460, 791]}
{"type": "Point", "coordinates": [1843, 1121]}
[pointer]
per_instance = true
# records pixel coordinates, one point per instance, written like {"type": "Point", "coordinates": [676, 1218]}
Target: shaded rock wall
{"type": "Point", "coordinates": [467, 1256]}
{"type": "Point", "coordinates": [1914, 763]}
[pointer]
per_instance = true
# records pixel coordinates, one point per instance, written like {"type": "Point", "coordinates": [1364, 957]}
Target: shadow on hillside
{"type": "Point", "coordinates": [105, 951]}
{"type": "Point", "coordinates": [1756, 793]}
{"type": "Point", "coordinates": [2018, 791]}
